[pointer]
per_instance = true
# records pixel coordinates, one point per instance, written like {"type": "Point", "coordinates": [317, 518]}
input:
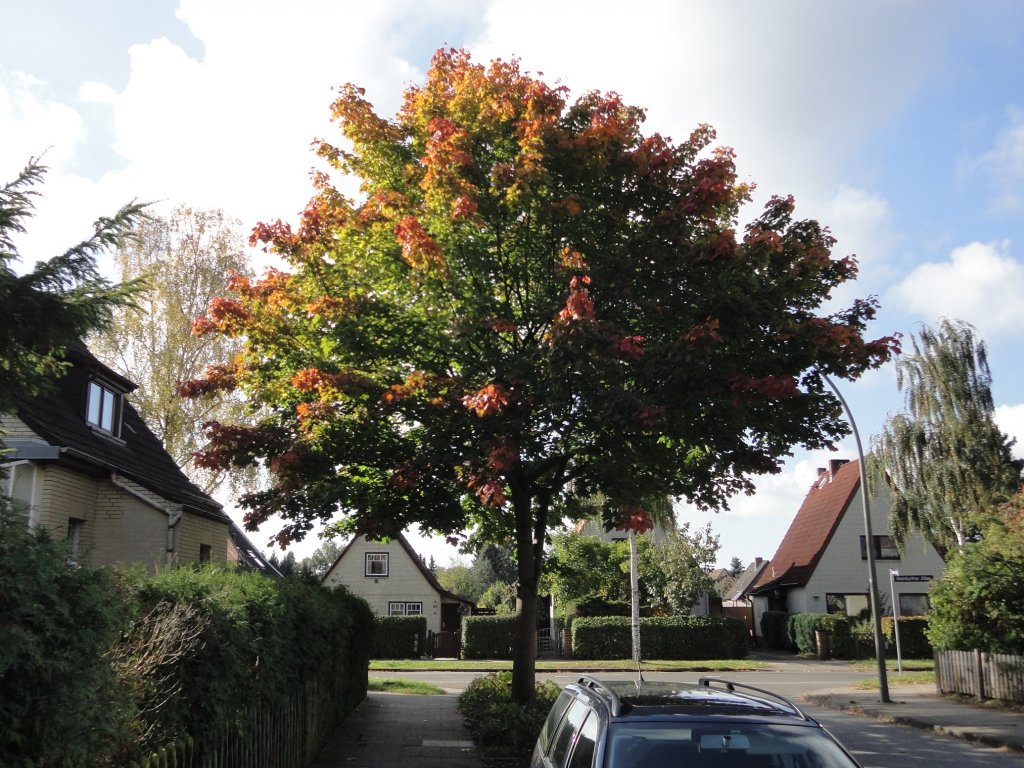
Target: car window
{"type": "Point", "coordinates": [737, 745]}
{"type": "Point", "coordinates": [554, 716]}
{"type": "Point", "coordinates": [583, 752]}
{"type": "Point", "coordinates": [563, 738]}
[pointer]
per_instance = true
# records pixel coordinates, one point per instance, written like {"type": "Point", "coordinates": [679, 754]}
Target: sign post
{"type": "Point", "coordinates": [894, 578]}
{"type": "Point", "coordinates": [893, 574]}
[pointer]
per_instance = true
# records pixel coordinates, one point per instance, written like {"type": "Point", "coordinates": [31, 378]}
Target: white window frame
{"type": "Point", "coordinates": [107, 403]}
{"type": "Point", "coordinates": [403, 608]}
{"type": "Point", "coordinates": [76, 525]}
{"type": "Point", "coordinates": [9, 475]}
{"type": "Point", "coordinates": [370, 558]}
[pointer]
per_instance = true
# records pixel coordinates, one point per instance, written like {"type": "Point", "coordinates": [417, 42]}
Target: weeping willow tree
{"type": "Point", "coordinates": [947, 462]}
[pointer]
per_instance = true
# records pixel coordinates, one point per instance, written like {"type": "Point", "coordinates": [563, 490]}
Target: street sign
{"type": "Point", "coordinates": [927, 577]}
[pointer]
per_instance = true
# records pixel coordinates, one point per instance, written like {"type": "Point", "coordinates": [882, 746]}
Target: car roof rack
{"type": "Point", "coordinates": [731, 686]}
{"type": "Point", "coordinates": [618, 706]}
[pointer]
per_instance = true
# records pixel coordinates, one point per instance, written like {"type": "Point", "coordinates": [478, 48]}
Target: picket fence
{"type": "Point", "coordinates": [284, 736]}
{"type": "Point", "coordinates": [980, 674]}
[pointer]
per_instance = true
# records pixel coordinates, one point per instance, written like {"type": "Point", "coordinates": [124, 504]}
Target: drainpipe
{"type": "Point", "coordinates": [174, 514]}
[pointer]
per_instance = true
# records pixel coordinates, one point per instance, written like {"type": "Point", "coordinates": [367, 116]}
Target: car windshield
{"type": "Point", "coordinates": [660, 744]}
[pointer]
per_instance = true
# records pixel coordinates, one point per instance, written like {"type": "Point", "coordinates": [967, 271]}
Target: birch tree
{"type": "Point", "coordinates": [946, 461]}
{"type": "Point", "coordinates": [186, 259]}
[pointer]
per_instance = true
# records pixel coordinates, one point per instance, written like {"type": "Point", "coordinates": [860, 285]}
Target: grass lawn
{"type": "Point", "coordinates": [913, 665]}
{"type": "Point", "coordinates": [564, 665]}
{"type": "Point", "coordinates": [895, 678]}
{"type": "Point", "coordinates": [394, 685]}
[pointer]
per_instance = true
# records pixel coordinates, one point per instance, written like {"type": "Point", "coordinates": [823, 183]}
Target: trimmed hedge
{"type": "Point", "coordinates": [399, 637]}
{"type": "Point", "coordinates": [661, 637]}
{"type": "Point", "coordinates": [217, 640]}
{"type": "Point", "coordinates": [98, 667]}
{"type": "Point", "coordinates": [914, 642]}
{"type": "Point", "coordinates": [488, 637]}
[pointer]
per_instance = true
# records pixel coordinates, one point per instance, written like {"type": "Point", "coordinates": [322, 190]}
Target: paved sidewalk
{"type": "Point", "coordinates": [922, 707]}
{"type": "Point", "coordinates": [397, 729]}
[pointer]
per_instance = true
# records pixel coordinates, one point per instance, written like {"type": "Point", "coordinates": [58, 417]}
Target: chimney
{"type": "Point", "coordinates": [835, 464]}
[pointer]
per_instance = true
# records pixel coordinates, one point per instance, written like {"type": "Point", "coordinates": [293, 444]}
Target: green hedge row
{"type": "Point", "coordinates": [399, 637]}
{"type": "Point", "coordinates": [488, 637]}
{"type": "Point", "coordinates": [100, 667]}
{"type": "Point", "coordinates": [232, 638]}
{"type": "Point", "coordinates": [661, 637]}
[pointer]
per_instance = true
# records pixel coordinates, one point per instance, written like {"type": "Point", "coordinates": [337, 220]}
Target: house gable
{"type": "Point", "coordinates": [388, 574]}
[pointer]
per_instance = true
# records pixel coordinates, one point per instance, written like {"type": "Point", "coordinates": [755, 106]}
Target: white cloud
{"type": "Point", "coordinates": [32, 124]}
{"type": "Point", "coordinates": [1003, 164]}
{"type": "Point", "coordinates": [92, 92]}
{"type": "Point", "coordinates": [792, 88]}
{"type": "Point", "coordinates": [1010, 419]}
{"type": "Point", "coordinates": [980, 283]}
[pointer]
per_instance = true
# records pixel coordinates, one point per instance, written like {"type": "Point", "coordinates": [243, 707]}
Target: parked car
{"type": "Point", "coordinates": [713, 724]}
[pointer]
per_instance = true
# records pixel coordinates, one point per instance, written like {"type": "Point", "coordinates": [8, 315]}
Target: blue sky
{"type": "Point", "coordinates": [898, 124]}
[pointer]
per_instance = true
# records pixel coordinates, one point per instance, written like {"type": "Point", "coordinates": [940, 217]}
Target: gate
{"type": "Point", "coordinates": [445, 645]}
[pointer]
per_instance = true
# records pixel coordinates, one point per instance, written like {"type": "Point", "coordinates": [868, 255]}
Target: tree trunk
{"type": "Point", "coordinates": [524, 647]}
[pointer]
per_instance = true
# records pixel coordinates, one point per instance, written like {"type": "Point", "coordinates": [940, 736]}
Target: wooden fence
{"type": "Point", "coordinates": [980, 674]}
{"type": "Point", "coordinates": [285, 736]}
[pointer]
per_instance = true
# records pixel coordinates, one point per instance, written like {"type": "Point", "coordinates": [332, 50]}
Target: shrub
{"type": "Point", "coordinates": [493, 718]}
{"type": "Point", "coordinates": [661, 637]}
{"type": "Point", "coordinates": [913, 636]}
{"type": "Point", "coordinates": [801, 631]}
{"type": "Point", "coordinates": [399, 637]}
{"type": "Point", "coordinates": [979, 602]}
{"type": "Point", "coordinates": [773, 630]}
{"type": "Point", "coordinates": [488, 637]}
{"type": "Point", "coordinates": [59, 700]}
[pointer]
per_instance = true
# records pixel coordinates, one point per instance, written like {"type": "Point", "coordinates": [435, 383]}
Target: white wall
{"type": "Point", "coordinates": [841, 569]}
{"type": "Point", "coordinates": [404, 582]}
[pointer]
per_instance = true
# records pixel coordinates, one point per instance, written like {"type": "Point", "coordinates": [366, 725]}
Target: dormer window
{"type": "Point", "coordinates": [103, 409]}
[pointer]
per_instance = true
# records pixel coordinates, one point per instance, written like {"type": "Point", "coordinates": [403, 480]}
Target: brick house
{"type": "Point", "coordinates": [80, 460]}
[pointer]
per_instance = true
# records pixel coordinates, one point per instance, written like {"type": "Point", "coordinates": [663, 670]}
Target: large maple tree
{"type": "Point", "coordinates": [531, 302]}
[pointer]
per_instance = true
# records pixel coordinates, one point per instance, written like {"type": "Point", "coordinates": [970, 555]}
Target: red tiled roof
{"type": "Point", "coordinates": [811, 529]}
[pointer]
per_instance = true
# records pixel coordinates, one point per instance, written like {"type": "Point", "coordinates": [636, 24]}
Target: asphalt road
{"type": "Point", "coordinates": [873, 743]}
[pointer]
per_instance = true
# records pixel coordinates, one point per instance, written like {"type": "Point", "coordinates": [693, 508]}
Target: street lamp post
{"type": "Point", "coordinates": [869, 541]}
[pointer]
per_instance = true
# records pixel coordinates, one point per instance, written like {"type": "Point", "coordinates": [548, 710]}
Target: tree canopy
{"type": "Point", "coordinates": [185, 260]}
{"type": "Point", "coordinates": [58, 302]}
{"type": "Point", "coordinates": [947, 462]}
{"type": "Point", "coordinates": [531, 302]}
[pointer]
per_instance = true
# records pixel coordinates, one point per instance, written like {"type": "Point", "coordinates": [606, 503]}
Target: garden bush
{"type": "Point", "coordinates": [913, 637]}
{"type": "Point", "coordinates": [979, 602]}
{"type": "Point", "coordinates": [661, 637]}
{"type": "Point", "coordinates": [801, 629]}
{"type": "Point", "coordinates": [488, 637]}
{"type": "Point", "coordinates": [773, 630]}
{"type": "Point", "coordinates": [399, 637]}
{"type": "Point", "coordinates": [493, 718]}
{"type": "Point", "coordinates": [60, 704]}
